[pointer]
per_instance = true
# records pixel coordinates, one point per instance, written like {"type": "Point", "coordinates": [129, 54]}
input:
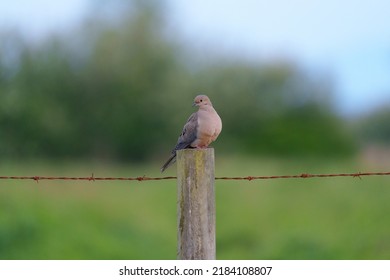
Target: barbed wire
{"type": "Point", "coordinates": [89, 178]}
{"type": "Point", "coordinates": [145, 178]}
{"type": "Point", "coordinates": [307, 175]}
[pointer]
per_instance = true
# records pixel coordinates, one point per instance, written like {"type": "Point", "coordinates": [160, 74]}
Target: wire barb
{"type": "Point", "coordinates": [91, 178]}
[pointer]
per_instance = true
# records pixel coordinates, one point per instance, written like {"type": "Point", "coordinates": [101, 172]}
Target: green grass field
{"type": "Point", "coordinates": [329, 218]}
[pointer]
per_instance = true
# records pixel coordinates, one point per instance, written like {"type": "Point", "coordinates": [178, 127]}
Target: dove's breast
{"type": "Point", "coordinates": [209, 127]}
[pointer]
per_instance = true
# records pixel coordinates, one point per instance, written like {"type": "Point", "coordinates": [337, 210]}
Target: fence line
{"type": "Point", "coordinates": [145, 178]}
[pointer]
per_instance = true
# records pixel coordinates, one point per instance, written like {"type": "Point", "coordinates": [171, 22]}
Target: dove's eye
{"type": "Point", "coordinates": [201, 100]}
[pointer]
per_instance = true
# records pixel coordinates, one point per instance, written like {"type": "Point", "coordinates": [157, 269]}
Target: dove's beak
{"type": "Point", "coordinates": [194, 104]}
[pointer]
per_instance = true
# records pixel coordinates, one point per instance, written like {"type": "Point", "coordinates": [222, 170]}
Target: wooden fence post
{"type": "Point", "coordinates": [196, 204]}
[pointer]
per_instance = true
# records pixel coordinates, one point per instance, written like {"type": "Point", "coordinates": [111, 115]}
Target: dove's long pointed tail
{"type": "Point", "coordinates": [170, 161]}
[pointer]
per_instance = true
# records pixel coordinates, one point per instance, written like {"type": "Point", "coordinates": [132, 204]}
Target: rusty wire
{"type": "Point", "coordinates": [145, 178]}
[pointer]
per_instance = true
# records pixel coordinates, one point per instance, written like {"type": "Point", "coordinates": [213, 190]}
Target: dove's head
{"type": "Point", "coordinates": [202, 100]}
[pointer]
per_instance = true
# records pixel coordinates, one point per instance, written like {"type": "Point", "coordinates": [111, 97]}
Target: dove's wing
{"type": "Point", "coordinates": [189, 133]}
{"type": "Point", "coordinates": [186, 138]}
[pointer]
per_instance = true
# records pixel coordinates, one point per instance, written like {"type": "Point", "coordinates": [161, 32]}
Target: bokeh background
{"type": "Point", "coordinates": [104, 87]}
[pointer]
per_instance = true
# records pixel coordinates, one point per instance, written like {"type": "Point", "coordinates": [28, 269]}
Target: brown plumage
{"type": "Point", "coordinates": [201, 128]}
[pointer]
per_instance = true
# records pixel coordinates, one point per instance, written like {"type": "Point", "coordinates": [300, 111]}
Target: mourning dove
{"type": "Point", "coordinates": [202, 128]}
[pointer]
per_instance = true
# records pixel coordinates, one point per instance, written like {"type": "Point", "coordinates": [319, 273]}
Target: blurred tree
{"type": "Point", "coordinates": [103, 105]}
{"type": "Point", "coordinates": [108, 90]}
{"type": "Point", "coordinates": [128, 74]}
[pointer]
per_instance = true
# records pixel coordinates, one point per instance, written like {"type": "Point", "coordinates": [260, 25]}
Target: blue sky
{"type": "Point", "coordinates": [349, 39]}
